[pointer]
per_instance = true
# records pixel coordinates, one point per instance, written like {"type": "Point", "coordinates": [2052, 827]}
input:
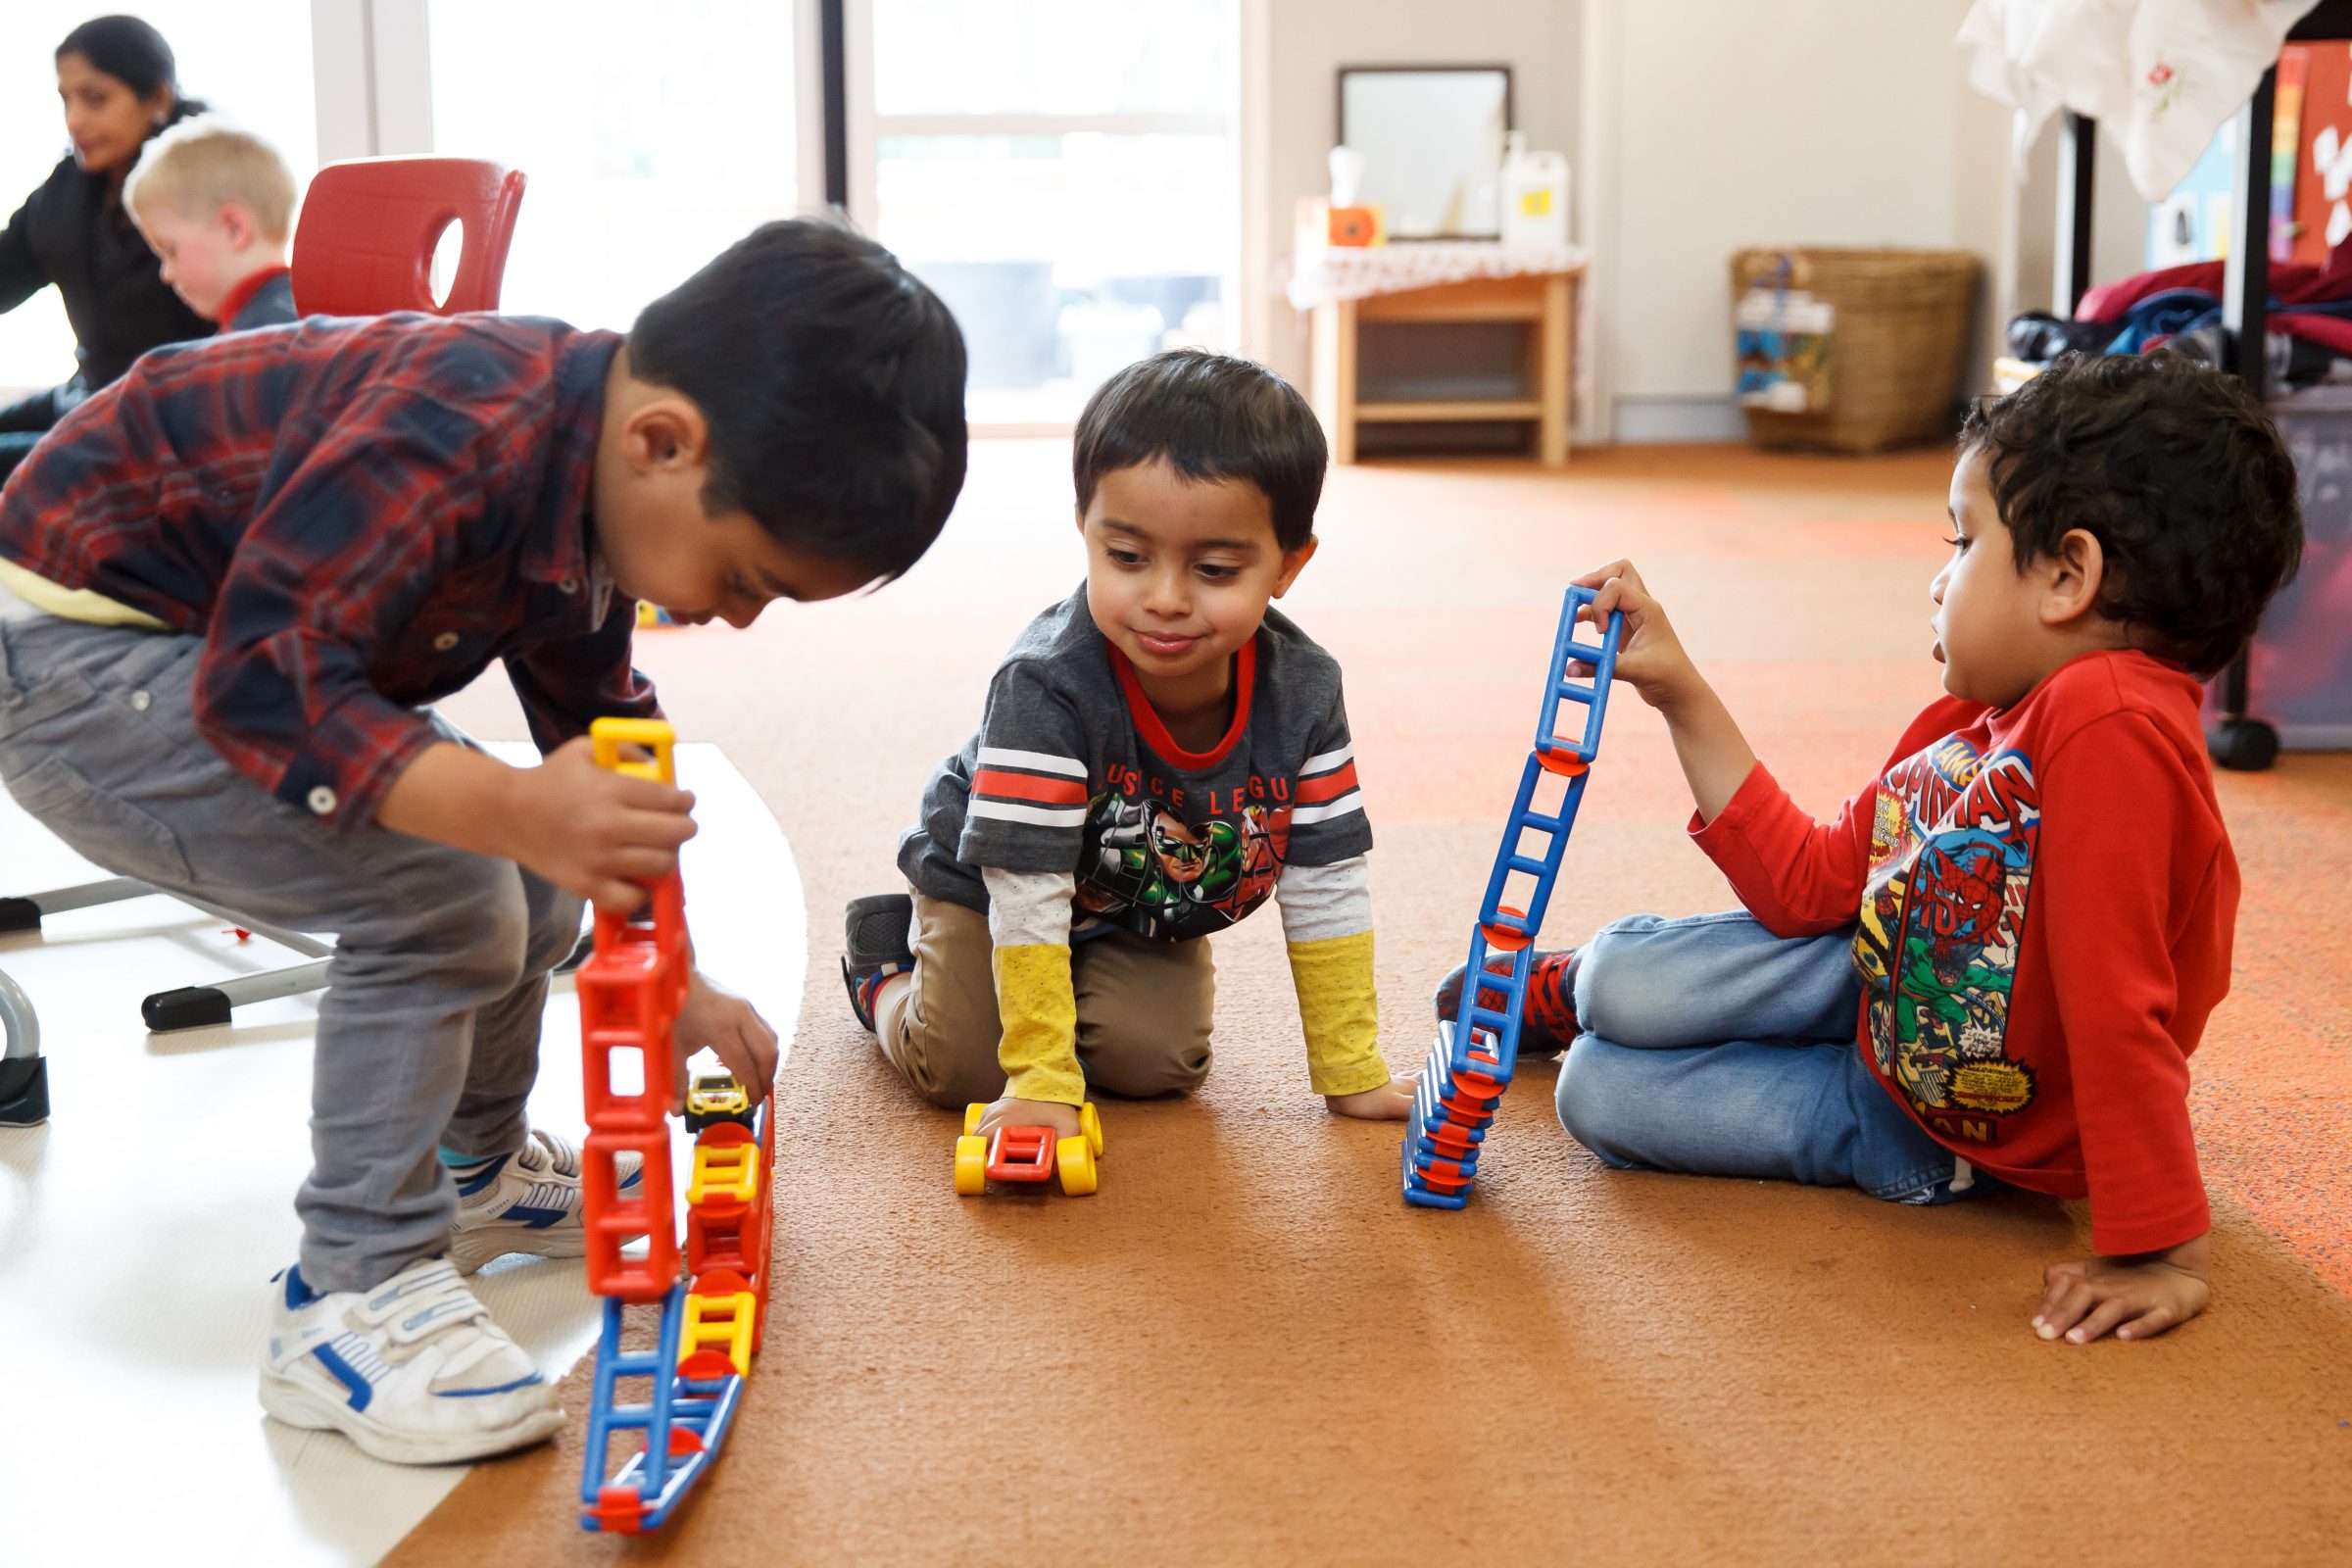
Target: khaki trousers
{"type": "Point", "coordinates": [1144, 1011]}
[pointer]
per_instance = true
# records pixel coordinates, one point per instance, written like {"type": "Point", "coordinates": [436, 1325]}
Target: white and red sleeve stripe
{"type": "Point", "coordinates": [1326, 788]}
{"type": "Point", "coordinates": [1038, 788]}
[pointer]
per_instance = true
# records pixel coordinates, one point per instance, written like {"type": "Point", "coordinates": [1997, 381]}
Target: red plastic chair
{"type": "Point", "coordinates": [364, 245]}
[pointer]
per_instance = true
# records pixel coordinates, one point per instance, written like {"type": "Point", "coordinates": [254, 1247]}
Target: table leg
{"type": "Point", "coordinates": [1334, 376]}
{"type": "Point", "coordinates": [1551, 374]}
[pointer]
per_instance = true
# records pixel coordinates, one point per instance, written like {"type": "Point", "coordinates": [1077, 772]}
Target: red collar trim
{"type": "Point", "coordinates": [1155, 733]}
{"type": "Point", "coordinates": [242, 295]}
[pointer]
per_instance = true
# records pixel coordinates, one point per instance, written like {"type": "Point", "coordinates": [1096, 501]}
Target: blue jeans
{"type": "Point", "coordinates": [1714, 1048]}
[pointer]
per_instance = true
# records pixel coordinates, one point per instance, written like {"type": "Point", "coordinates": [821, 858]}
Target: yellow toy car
{"type": "Point", "coordinates": [1028, 1155]}
{"type": "Point", "coordinates": [714, 1098]}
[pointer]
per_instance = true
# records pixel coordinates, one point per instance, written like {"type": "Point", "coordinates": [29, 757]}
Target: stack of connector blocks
{"type": "Point", "coordinates": [630, 993]}
{"type": "Point", "coordinates": [1477, 1050]}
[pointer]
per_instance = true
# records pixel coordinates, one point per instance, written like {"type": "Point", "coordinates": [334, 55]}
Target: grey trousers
{"type": "Point", "coordinates": [428, 1032]}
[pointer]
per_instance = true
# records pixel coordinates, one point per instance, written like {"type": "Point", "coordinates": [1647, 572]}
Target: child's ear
{"type": "Point", "coordinates": [1294, 561]}
{"type": "Point", "coordinates": [667, 431]}
{"type": "Point", "coordinates": [2075, 572]}
{"type": "Point", "coordinates": [237, 224]}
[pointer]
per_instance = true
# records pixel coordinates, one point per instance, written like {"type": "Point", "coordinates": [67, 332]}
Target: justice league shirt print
{"type": "Point", "coordinates": [1072, 771]}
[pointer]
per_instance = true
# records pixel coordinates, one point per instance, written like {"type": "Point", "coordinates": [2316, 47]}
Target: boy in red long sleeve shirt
{"type": "Point", "coordinates": [2026, 918]}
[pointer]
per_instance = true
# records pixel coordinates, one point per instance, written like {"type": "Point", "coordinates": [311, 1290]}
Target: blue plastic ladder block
{"type": "Point", "coordinates": [1494, 1028]}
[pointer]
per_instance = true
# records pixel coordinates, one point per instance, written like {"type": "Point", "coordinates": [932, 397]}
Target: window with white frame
{"type": "Point", "coordinates": [671, 132]}
{"type": "Point", "coordinates": [257, 71]}
{"type": "Point", "coordinates": [1064, 173]}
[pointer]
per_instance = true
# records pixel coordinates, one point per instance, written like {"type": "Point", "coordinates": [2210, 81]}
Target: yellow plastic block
{"type": "Point", "coordinates": [720, 1322]}
{"type": "Point", "coordinates": [610, 735]}
{"type": "Point", "coordinates": [971, 1166]}
{"type": "Point", "coordinates": [1074, 1161]}
{"type": "Point", "coordinates": [728, 1171]}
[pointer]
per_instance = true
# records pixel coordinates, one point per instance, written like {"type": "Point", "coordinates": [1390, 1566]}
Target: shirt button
{"type": "Point", "coordinates": [140, 701]}
{"type": "Point", "coordinates": [445, 642]}
{"type": "Point", "coordinates": [322, 800]}
{"type": "Point", "coordinates": [570, 585]}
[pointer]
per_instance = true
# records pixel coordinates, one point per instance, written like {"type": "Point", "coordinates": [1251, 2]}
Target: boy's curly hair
{"type": "Point", "coordinates": [2178, 473]}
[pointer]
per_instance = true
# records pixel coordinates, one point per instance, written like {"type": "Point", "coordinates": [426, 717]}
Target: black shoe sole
{"type": "Point", "coordinates": [877, 932]}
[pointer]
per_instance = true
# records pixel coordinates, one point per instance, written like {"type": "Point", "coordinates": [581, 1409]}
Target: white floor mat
{"type": "Point", "coordinates": [139, 1228]}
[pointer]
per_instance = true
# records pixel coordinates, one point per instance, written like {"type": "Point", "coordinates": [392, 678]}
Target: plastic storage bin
{"type": "Point", "coordinates": [2299, 669]}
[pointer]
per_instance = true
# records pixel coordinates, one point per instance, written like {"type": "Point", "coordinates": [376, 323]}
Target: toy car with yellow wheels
{"type": "Point", "coordinates": [715, 1097]}
{"type": "Point", "coordinates": [1028, 1156]}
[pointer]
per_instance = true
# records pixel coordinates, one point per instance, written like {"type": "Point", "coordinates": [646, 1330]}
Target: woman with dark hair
{"type": "Point", "coordinates": [120, 86]}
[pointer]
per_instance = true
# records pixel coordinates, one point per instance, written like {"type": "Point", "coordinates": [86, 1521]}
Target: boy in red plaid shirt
{"type": "Point", "coordinates": [230, 582]}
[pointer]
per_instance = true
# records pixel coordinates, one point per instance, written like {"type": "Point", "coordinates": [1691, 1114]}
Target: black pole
{"type": "Point", "coordinates": [833, 51]}
{"type": "Point", "coordinates": [2078, 163]}
{"type": "Point", "coordinates": [2246, 278]}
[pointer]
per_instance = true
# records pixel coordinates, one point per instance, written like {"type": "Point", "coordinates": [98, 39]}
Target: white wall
{"type": "Point", "coordinates": [1694, 128]}
{"type": "Point", "coordinates": [1305, 42]}
{"type": "Point", "coordinates": [1715, 126]}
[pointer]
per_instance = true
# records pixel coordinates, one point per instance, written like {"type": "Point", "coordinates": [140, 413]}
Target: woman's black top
{"type": "Point", "coordinates": [74, 233]}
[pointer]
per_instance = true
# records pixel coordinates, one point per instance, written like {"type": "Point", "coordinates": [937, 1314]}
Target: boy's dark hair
{"type": "Point", "coordinates": [1210, 417]}
{"type": "Point", "coordinates": [2178, 473]}
{"type": "Point", "coordinates": [833, 383]}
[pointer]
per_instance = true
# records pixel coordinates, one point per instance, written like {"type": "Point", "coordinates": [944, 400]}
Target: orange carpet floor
{"type": "Point", "coordinates": [1248, 1349]}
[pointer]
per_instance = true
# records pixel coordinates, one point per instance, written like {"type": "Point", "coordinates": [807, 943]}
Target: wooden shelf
{"type": "Point", "coordinates": [1453, 409]}
{"type": "Point", "coordinates": [1542, 302]}
{"type": "Point", "coordinates": [1478, 300]}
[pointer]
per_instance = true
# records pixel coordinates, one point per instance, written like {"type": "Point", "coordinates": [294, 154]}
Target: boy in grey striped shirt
{"type": "Point", "coordinates": [1159, 753]}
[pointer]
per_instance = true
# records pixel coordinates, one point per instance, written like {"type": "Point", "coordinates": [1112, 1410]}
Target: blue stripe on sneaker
{"type": "Point", "coordinates": [488, 1173]}
{"type": "Point", "coordinates": [360, 1389]}
{"type": "Point", "coordinates": [299, 1293]}
{"type": "Point", "coordinates": [537, 1219]}
{"type": "Point", "coordinates": [476, 1393]}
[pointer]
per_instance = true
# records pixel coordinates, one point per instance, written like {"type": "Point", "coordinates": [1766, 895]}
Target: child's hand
{"type": "Point", "coordinates": [1390, 1101]}
{"type": "Point", "coordinates": [2137, 1297]}
{"type": "Point", "coordinates": [1012, 1112]}
{"type": "Point", "coordinates": [1649, 655]}
{"type": "Point", "coordinates": [598, 833]}
{"type": "Point", "coordinates": [720, 1020]}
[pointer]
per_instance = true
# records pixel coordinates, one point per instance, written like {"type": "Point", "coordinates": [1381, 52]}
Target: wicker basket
{"type": "Point", "coordinates": [1895, 348]}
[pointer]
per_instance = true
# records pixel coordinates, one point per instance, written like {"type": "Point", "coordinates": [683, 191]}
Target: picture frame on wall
{"type": "Point", "coordinates": [1432, 141]}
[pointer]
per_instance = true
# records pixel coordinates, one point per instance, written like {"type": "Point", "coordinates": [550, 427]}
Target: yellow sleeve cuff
{"type": "Point", "coordinates": [1339, 1006]}
{"type": "Point", "coordinates": [1038, 1009]}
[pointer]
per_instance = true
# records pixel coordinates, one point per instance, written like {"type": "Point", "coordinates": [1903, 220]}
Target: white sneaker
{"type": "Point", "coordinates": [413, 1371]}
{"type": "Point", "coordinates": [526, 1202]}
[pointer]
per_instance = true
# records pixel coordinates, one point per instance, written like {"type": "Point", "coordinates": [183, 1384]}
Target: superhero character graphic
{"type": "Point", "coordinates": [1936, 943]}
{"type": "Point", "coordinates": [1147, 869]}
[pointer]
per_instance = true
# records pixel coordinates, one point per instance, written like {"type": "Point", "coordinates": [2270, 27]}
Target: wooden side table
{"type": "Point", "coordinates": [1544, 301]}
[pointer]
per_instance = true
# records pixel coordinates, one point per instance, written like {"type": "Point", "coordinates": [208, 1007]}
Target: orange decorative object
{"type": "Point", "coordinates": [1356, 225]}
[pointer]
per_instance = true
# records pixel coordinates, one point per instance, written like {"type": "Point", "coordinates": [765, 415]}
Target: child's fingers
{"type": "Point", "coordinates": [2062, 1307]}
{"type": "Point", "coordinates": [1615, 568]}
{"type": "Point", "coordinates": [613, 897]}
{"type": "Point", "coordinates": [2154, 1321]}
{"type": "Point", "coordinates": [639, 865]}
{"type": "Point", "coordinates": [662, 830]}
{"type": "Point", "coordinates": [760, 1047]}
{"type": "Point", "coordinates": [2104, 1317]}
{"type": "Point", "coordinates": [652, 794]}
